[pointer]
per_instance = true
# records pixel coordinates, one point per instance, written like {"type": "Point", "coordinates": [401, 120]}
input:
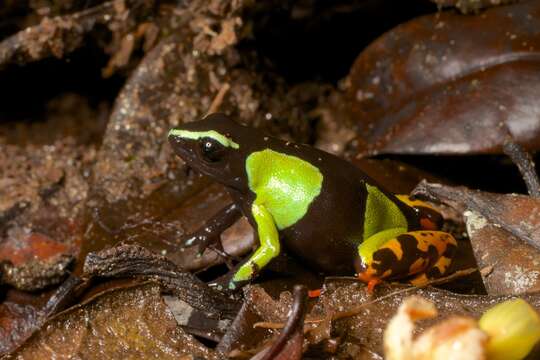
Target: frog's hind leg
{"type": "Point", "coordinates": [406, 254]}
{"type": "Point", "coordinates": [439, 268]}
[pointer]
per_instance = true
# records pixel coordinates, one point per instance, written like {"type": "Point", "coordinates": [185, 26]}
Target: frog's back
{"type": "Point", "coordinates": [323, 205]}
{"type": "Point", "coordinates": [286, 185]}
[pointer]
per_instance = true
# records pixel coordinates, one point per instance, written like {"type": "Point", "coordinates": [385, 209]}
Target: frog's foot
{"type": "Point", "coordinates": [236, 285]}
{"type": "Point", "coordinates": [370, 279]}
{"type": "Point", "coordinates": [245, 273]}
{"type": "Point", "coordinates": [419, 280]}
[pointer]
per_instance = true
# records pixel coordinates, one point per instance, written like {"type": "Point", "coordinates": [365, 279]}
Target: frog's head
{"type": "Point", "coordinates": [213, 146]}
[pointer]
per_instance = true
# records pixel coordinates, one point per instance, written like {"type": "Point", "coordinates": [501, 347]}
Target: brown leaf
{"type": "Point", "coordinates": [123, 323]}
{"type": "Point", "coordinates": [504, 232]}
{"type": "Point", "coordinates": [35, 246]}
{"type": "Point", "coordinates": [16, 323]}
{"type": "Point", "coordinates": [450, 84]}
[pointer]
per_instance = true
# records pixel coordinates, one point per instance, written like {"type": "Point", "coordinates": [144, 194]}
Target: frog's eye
{"type": "Point", "coordinates": [211, 149]}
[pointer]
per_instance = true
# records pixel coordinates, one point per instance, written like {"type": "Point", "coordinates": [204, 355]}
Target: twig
{"type": "Point", "coordinates": [216, 103]}
{"type": "Point", "coordinates": [356, 309]}
{"type": "Point", "coordinates": [525, 164]}
{"type": "Point", "coordinates": [295, 321]}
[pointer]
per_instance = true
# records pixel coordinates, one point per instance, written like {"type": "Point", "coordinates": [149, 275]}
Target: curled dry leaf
{"type": "Point", "coordinates": [36, 274]}
{"type": "Point", "coordinates": [124, 323]}
{"type": "Point", "coordinates": [450, 84]}
{"type": "Point", "coordinates": [504, 232]}
{"type": "Point", "coordinates": [131, 260]}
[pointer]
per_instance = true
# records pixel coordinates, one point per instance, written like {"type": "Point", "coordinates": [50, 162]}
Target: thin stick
{"type": "Point", "coordinates": [295, 322]}
{"type": "Point", "coordinates": [216, 103]}
{"type": "Point", "coordinates": [355, 310]}
{"type": "Point", "coordinates": [523, 160]}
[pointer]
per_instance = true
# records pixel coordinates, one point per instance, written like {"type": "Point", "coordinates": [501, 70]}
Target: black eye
{"type": "Point", "coordinates": [212, 150]}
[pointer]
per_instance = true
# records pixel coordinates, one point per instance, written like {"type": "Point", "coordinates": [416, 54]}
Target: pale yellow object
{"type": "Point", "coordinates": [507, 331]}
{"type": "Point", "coordinates": [513, 327]}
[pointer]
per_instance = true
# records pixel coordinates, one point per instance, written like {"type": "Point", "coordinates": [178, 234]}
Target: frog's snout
{"type": "Point", "coordinates": [180, 145]}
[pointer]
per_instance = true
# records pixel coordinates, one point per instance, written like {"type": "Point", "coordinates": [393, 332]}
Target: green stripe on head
{"type": "Point", "coordinates": [196, 135]}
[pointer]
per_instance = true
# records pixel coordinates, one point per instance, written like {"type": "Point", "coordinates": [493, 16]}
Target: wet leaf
{"type": "Point", "coordinates": [16, 323]}
{"type": "Point", "coordinates": [124, 323]}
{"type": "Point", "coordinates": [504, 232]}
{"type": "Point", "coordinates": [36, 274]}
{"type": "Point", "coordinates": [450, 84]}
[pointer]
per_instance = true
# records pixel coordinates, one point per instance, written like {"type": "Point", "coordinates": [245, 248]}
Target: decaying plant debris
{"type": "Point", "coordinates": [94, 206]}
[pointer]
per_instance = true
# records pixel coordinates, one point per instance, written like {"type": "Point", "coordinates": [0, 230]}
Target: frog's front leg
{"type": "Point", "coordinates": [394, 254]}
{"type": "Point", "coordinates": [210, 233]}
{"type": "Point", "coordinates": [268, 249]}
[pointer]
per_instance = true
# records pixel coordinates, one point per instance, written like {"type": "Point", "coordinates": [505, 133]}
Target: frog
{"type": "Point", "coordinates": [319, 207]}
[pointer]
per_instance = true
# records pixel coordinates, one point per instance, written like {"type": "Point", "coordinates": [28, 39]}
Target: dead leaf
{"type": "Point", "coordinates": [17, 321]}
{"type": "Point", "coordinates": [450, 84]}
{"type": "Point", "coordinates": [123, 323]}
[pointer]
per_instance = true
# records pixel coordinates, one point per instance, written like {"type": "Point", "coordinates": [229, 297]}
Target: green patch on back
{"type": "Point", "coordinates": [381, 213]}
{"type": "Point", "coordinates": [286, 185]}
{"type": "Point", "coordinates": [196, 135]}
